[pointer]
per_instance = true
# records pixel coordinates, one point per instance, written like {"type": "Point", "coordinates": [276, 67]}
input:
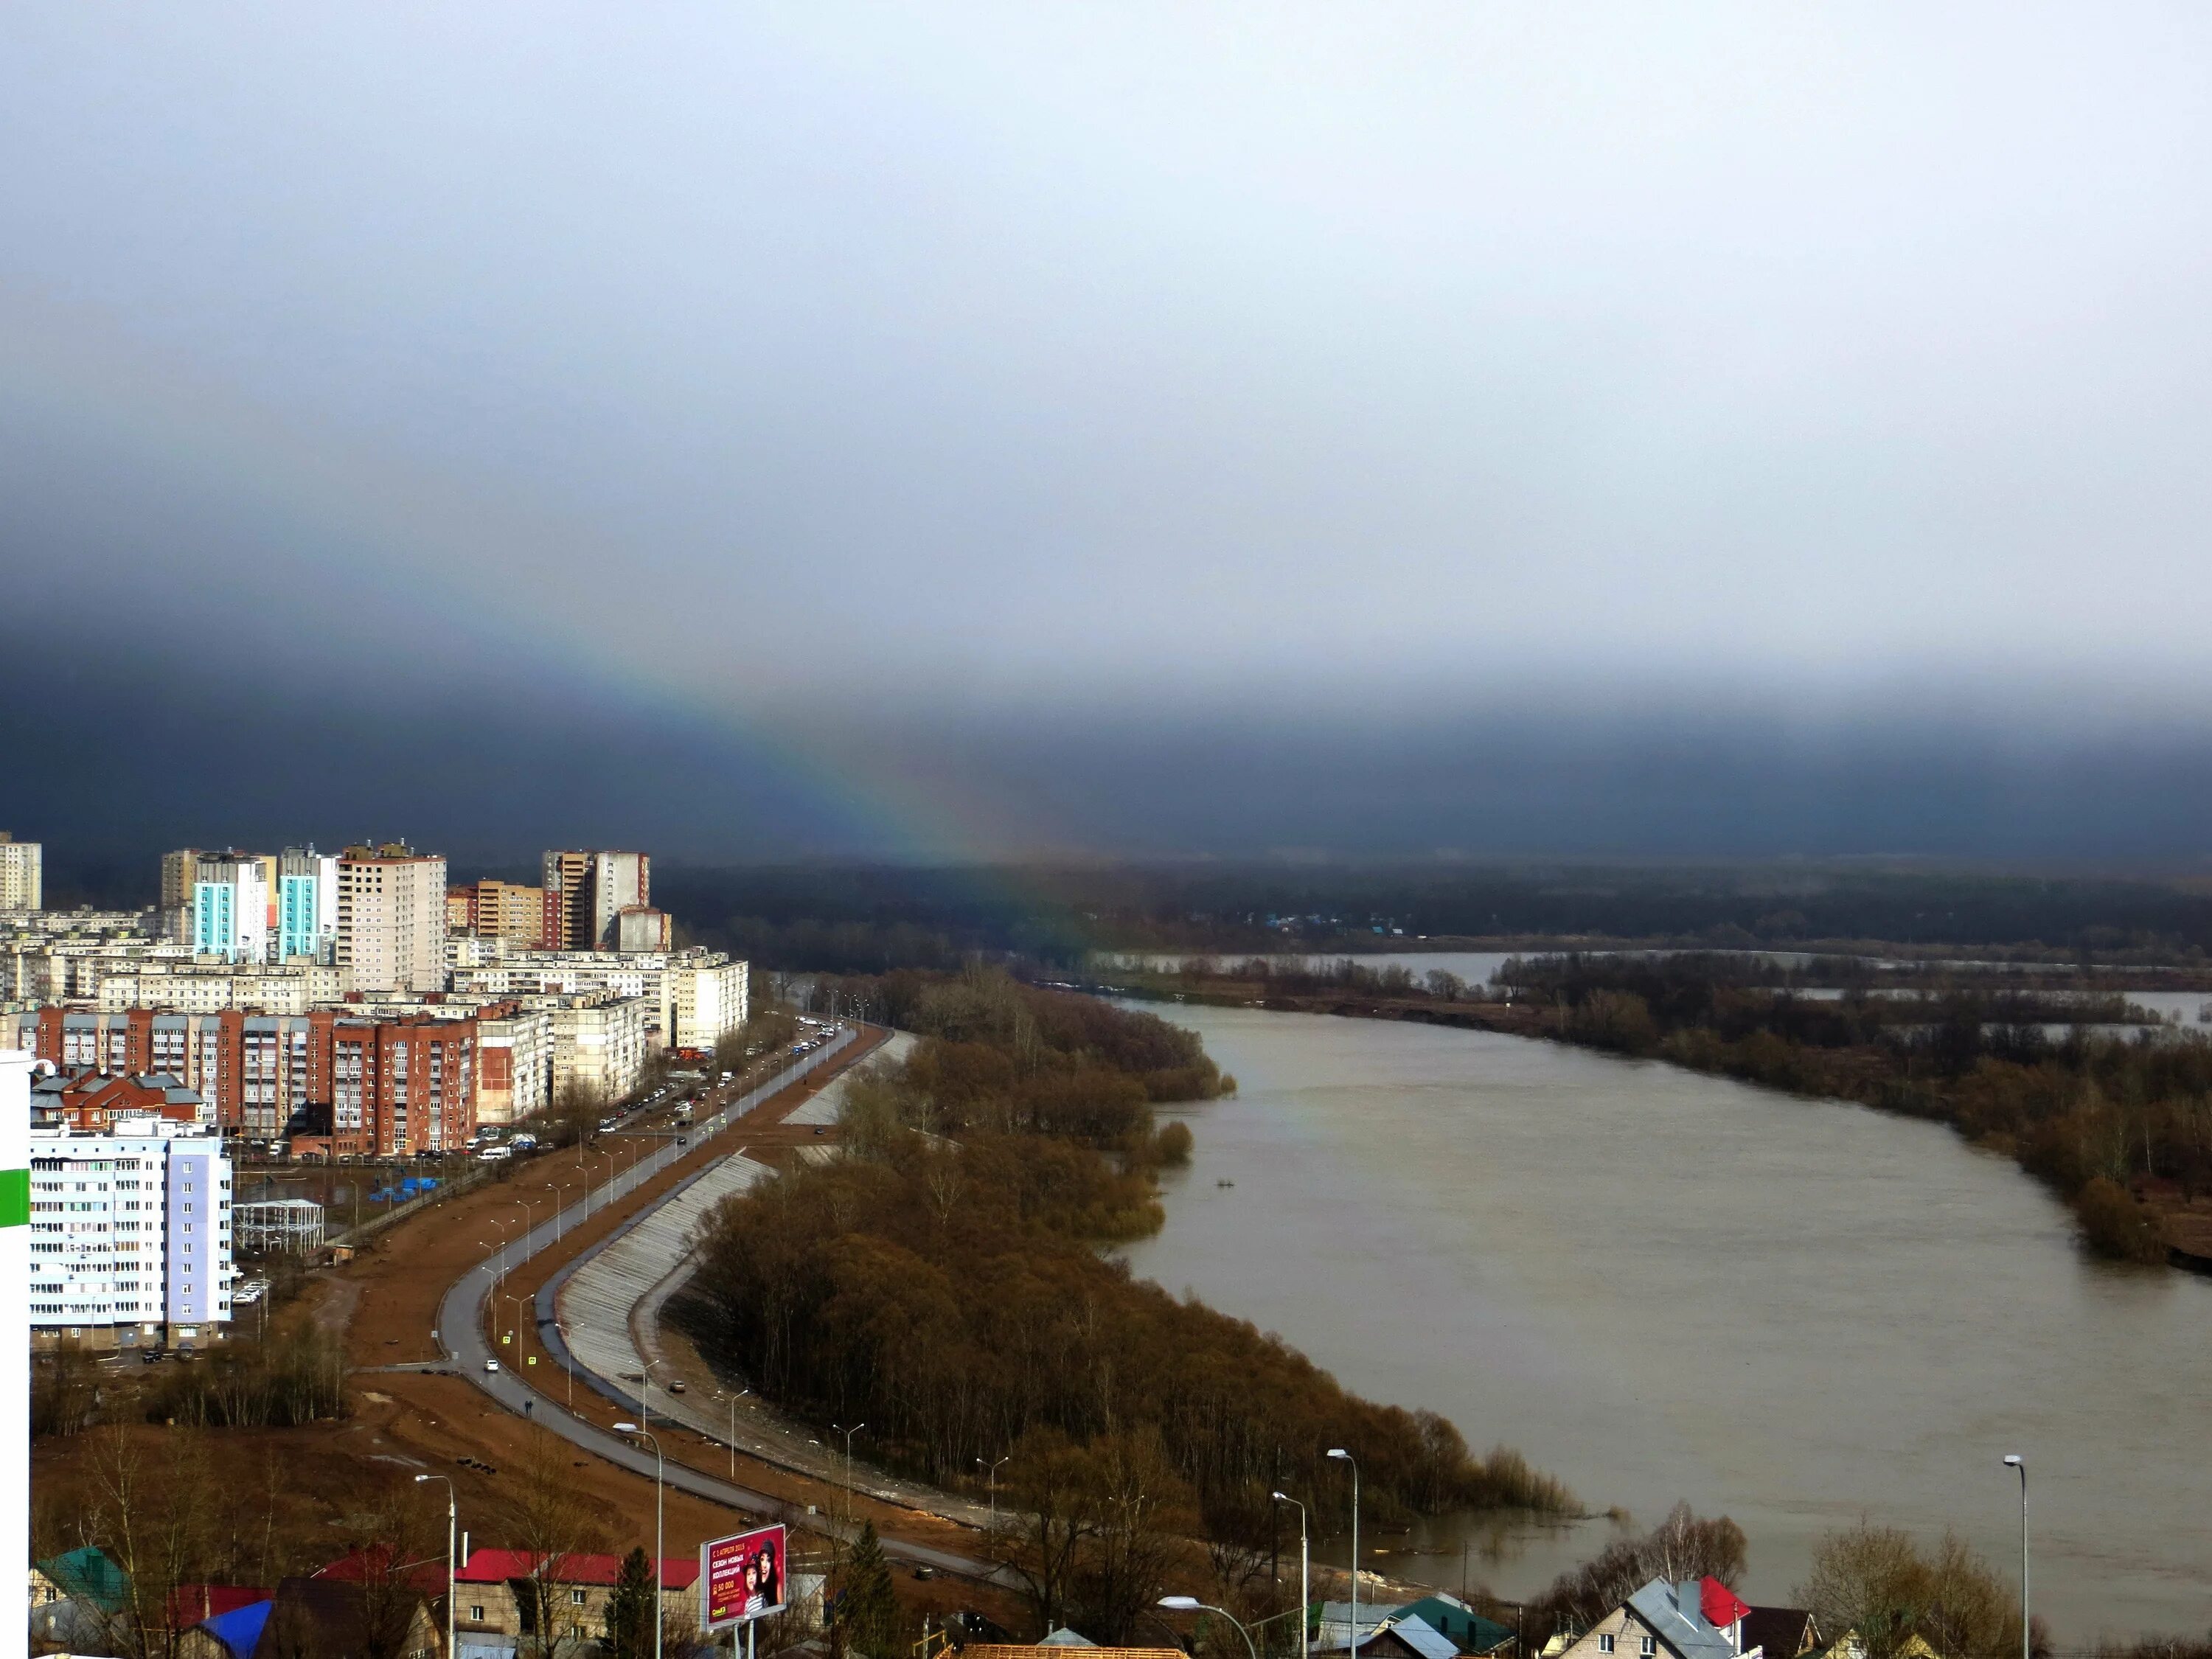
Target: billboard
{"type": "Point", "coordinates": [741, 1577]}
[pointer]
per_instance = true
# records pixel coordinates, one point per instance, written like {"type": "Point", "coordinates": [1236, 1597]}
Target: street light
{"type": "Point", "coordinates": [993, 1468]}
{"type": "Point", "coordinates": [568, 1362]}
{"type": "Point", "coordinates": [1192, 1604]}
{"type": "Point", "coordinates": [645, 1391]}
{"type": "Point", "coordinates": [452, 1514]}
{"type": "Point", "coordinates": [659, 1467]}
{"type": "Point", "coordinates": [848, 1434]}
{"type": "Point", "coordinates": [1304, 1600]}
{"type": "Point", "coordinates": [556, 1191]}
{"type": "Point", "coordinates": [2015, 1461]}
{"type": "Point", "coordinates": [1351, 1647]}
{"type": "Point", "coordinates": [732, 1399]}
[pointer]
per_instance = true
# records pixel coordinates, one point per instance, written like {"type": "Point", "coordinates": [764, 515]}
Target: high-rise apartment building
{"type": "Point", "coordinates": [499, 910]}
{"type": "Point", "coordinates": [586, 891]}
{"type": "Point", "coordinates": [129, 1234]}
{"type": "Point", "coordinates": [179, 870]}
{"type": "Point", "coordinates": [230, 906]}
{"type": "Point", "coordinates": [22, 874]}
{"type": "Point", "coordinates": [307, 905]}
{"type": "Point", "coordinates": [395, 1087]}
{"type": "Point", "coordinates": [391, 918]}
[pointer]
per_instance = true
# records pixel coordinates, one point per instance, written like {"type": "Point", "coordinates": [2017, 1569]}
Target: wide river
{"type": "Point", "coordinates": [1660, 1285]}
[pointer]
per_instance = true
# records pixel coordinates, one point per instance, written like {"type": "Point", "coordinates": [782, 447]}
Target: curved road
{"type": "Point", "coordinates": [461, 1332]}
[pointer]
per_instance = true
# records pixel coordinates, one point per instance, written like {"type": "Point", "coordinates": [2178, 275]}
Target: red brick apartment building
{"type": "Point", "coordinates": [393, 1085]}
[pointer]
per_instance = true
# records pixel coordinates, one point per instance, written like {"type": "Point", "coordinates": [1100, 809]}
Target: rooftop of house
{"type": "Point", "coordinates": [1660, 1606]}
{"type": "Point", "coordinates": [496, 1566]}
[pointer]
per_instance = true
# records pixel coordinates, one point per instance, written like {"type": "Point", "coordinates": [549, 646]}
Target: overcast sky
{"type": "Point", "coordinates": [972, 401]}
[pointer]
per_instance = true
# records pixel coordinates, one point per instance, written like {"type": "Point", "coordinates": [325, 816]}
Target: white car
{"type": "Point", "coordinates": [491, 1364]}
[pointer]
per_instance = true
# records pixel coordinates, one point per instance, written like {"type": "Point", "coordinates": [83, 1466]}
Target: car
{"type": "Point", "coordinates": [151, 1356]}
{"type": "Point", "coordinates": [491, 1364]}
{"type": "Point", "coordinates": [676, 1385]}
{"type": "Point", "coordinates": [925, 1573]}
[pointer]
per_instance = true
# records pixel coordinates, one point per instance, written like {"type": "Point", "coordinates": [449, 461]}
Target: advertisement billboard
{"type": "Point", "coordinates": [741, 1577]}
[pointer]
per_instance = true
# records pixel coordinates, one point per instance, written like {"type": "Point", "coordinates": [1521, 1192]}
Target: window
{"type": "Point", "coordinates": [476, 1615]}
{"type": "Point", "coordinates": [1650, 1646]}
{"type": "Point", "coordinates": [576, 1598]}
{"type": "Point", "coordinates": [1605, 1645]}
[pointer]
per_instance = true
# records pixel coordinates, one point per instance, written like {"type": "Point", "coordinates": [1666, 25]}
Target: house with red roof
{"type": "Point", "coordinates": [499, 1592]}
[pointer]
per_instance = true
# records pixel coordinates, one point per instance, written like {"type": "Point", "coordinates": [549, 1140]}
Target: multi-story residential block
{"type": "Point", "coordinates": [514, 1061]}
{"type": "Point", "coordinates": [307, 906]}
{"type": "Point", "coordinates": [499, 910]}
{"type": "Point", "coordinates": [22, 874]}
{"type": "Point", "coordinates": [395, 1087]}
{"type": "Point", "coordinates": [641, 927]}
{"type": "Point", "coordinates": [708, 998]}
{"type": "Point", "coordinates": [129, 1234]}
{"type": "Point", "coordinates": [191, 989]}
{"type": "Point", "coordinates": [697, 996]}
{"type": "Point", "coordinates": [599, 1045]}
{"type": "Point", "coordinates": [585, 889]}
{"type": "Point", "coordinates": [391, 918]}
{"type": "Point", "coordinates": [230, 908]}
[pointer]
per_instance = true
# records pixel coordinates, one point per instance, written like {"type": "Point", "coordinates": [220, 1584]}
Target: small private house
{"type": "Point", "coordinates": [1468, 1631]}
{"type": "Point", "coordinates": [1392, 1633]}
{"type": "Point", "coordinates": [494, 1594]}
{"type": "Point", "coordinates": [1698, 1618]}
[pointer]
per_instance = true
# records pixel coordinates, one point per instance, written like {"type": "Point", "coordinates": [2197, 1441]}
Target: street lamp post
{"type": "Point", "coordinates": [732, 1399]}
{"type": "Point", "coordinates": [645, 1391]}
{"type": "Point", "coordinates": [1352, 1646]}
{"type": "Point", "coordinates": [848, 1434]}
{"type": "Point", "coordinates": [659, 1467]}
{"type": "Point", "coordinates": [1192, 1604]}
{"type": "Point", "coordinates": [568, 1362]}
{"type": "Point", "coordinates": [1304, 1559]}
{"type": "Point", "coordinates": [2016, 1461]}
{"type": "Point", "coordinates": [993, 1468]}
{"type": "Point", "coordinates": [452, 1515]}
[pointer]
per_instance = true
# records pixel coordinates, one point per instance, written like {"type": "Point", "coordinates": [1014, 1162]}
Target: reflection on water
{"type": "Point", "coordinates": [1660, 1286]}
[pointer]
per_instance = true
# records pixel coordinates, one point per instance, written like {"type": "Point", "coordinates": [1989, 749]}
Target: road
{"type": "Point", "coordinates": [461, 1334]}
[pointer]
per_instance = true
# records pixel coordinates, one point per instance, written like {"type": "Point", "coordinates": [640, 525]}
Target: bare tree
{"type": "Point", "coordinates": [549, 1523]}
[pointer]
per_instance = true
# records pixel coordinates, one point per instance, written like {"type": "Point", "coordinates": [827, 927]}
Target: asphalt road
{"type": "Point", "coordinates": [460, 1332]}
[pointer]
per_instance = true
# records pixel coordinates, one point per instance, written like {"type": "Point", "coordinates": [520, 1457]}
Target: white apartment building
{"type": "Point", "coordinates": [599, 1044]}
{"type": "Point", "coordinates": [230, 908]}
{"type": "Point", "coordinates": [22, 874]}
{"type": "Point", "coordinates": [306, 906]}
{"type": "Point", "coordinates": [187, 989]}
{"type": "Point", "coordinates": [697, 996]}
{"type": "Point", "coordinates": [391, 919]}
{"type": "Point", "coordinates": [130, 1235]}
{"type": "Point", "coordinates": [514, 1063]}
{"type": "Point", "coordinates": [707, 1001]}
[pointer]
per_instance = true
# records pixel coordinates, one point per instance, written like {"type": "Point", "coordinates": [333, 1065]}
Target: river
{"type": "Point", "coordinates": [1662, 1285]}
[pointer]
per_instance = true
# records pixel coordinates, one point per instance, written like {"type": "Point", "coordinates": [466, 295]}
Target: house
{"type": "Point", "coordinates": [191, 1604]}
{"type": "Point", "coordinates": [496, 1593]}
{"type": "Point", "coordinates": [1468, 1631]}
{"type": "Point", "coordinates": [77, 1598]}
{"type": "Point", "coordinates": [1059, 1651]}
{"type": "Point", "coordinates": [232, 1634]}
{"type": "Point", "coordinates": [1668, 1621]}
{"type": "Point", "coordinates": [320, 1618]}
{"type": "Point", "coordinates": [1780, 1632]}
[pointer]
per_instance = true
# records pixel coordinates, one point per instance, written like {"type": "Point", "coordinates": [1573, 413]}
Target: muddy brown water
{"type": "Point", "coordinates": [1660, 1285]}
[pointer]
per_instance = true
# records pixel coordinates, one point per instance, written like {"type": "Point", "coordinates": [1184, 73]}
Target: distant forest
{"type": "Point", "coordinates": [879, 919]}
{"type": "Point", "coordinates": [856, 919]}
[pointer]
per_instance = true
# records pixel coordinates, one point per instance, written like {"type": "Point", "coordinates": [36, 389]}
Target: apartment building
{"type": "Point", "coordinates": [391, 918]}
{"type": "Point", "coordinates": [708, 999]}
{"type": "Point", "coordinates": [697, 996]}
{"type": "Point", "coordinates": [306, 906]}
{"type": "Point", "coordinates": [395, 1087]}
{"type": "Point", "coordinates": [599, 1044]}
{"type": "Point", "coordinates": [22, 874]}
{"type": "Point", "coordinates": [585, 889]}
{"type": "Point", "coordinates": [129, 1232]}
{"type": "Point", "coordinates": [499, 910]}
{"type": "Point", "coordinates": [231, 908]}
{"type": "Point", "coordinates": [514, 1061]}
{"type": "Point", "coordinates": [190, 988]}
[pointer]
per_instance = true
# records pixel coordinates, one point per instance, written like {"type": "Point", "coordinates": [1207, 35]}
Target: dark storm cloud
{"type": "Point", "coordinates": [1739, 426]}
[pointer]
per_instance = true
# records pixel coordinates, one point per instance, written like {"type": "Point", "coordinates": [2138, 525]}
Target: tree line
{"type": "Point", "coordinates": [2100, 1119]}
{"type": "Point", "coordinates": [944, 1281]}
